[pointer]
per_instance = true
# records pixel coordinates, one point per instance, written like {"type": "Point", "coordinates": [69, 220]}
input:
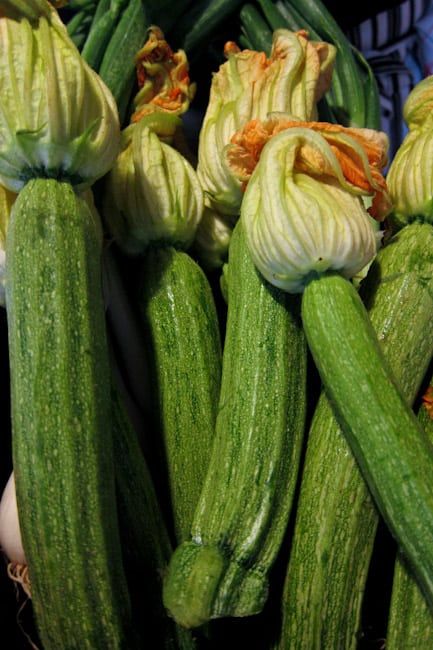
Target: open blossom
{"type": "Point", "coordinates": [303, 210]}
{"type": "Point", "coordinates": [362, 154]}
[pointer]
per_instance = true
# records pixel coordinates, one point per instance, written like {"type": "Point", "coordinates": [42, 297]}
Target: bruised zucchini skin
{"type": "Point", "coordinates": [242, 514]}
{"type": "Point", "coordinates": [182, 335]}
{"type": "Point", "coordinates": [336, 519]}
{"type": "Point", "coordinates": [61, 420]}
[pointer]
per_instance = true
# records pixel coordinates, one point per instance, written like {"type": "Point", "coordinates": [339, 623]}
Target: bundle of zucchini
{"type": "Point", "coordinates": [232, 482]}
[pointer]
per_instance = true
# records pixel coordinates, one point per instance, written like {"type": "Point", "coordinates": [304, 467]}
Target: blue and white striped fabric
{"type": "Point", "coordinates": [398, 44]}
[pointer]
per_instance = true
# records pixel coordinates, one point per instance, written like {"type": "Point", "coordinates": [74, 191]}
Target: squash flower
{"type": "Point", "coordinates": [151, 193]}
{"type": "Point", "coordinates": [57, 117]}
{"type": "Point", "coordinates": [249, 85]}
{"type": "Point", "coordinates": [409, 176]}
{"type": "Point", "coordinates": [163, 78]}
{"type": "Point", "coordinates": [312, 192]}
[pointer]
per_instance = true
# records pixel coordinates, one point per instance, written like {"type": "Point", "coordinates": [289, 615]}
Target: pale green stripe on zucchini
{"type": "Point", "coordinates": [247, 496]}
{"type": "Point", "coordinates": [392, 450]}
{"type": "Point", "coordinates": [61, 421]}
{"type": "Point", "coordinates": [182, 337]}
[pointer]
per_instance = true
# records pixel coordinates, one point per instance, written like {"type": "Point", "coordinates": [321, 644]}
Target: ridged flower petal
{"type": "Point", "coordinates": [299, 224]}
{"type": "Point", "coordinates": [250, 85]}
{"type": "Point", "coordinates": [410, 177]}
{"type": "Point", "coordinates": [359, 157]}
{"type": "Point", "coordinates": [151, 193]}
{"type": "Point", "coordinates": [57, 117]}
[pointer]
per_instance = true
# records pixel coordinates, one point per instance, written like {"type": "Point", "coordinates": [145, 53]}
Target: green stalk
{"type": "Point", "coordinates": [392, 450]}
{"type": "Point", "coordinates": [336, 519]}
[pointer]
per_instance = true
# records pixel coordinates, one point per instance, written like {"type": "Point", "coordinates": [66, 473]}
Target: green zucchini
{"type": "Point", "coordinates": [182, 337]}
{"type": "Point", "coordinates": [222, 570]}
{"type": "Point", "coordinates": [410, 619]}
{"type": "Point", "coordinates": [336, 519]}
{"type": "Point", "coordinates": [61, 420]}
{"type": "Point", "coordinates": [117, 67]}
{"type": "Point", "coordinates": [145, 540]}
{"type": "Point", "coordinates": [381, 428]}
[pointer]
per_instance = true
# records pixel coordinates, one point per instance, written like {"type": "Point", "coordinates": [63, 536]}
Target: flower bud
{"type": "Point", "coordinates": [151, 194]}
{"type": "Point", "coordinates": [409, 178]}
{"type": "Point", "coordinates": [249, 86]}
{"type": "Point", "coordinates": [57, 117]}
{"type": "Point", "coordinates": [212, 238]}
{"type": "Point", "coordinates": [163, 78]}
{"type": "Point", "coordinates": [301, 216]}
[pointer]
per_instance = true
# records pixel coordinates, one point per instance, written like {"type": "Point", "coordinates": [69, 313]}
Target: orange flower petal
{"type": "Point", "coordinates": [361, 153]}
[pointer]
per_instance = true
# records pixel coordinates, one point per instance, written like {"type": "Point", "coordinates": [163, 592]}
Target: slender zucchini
{"type": "Point", "coordinates": [410, 621]}
{"type": "Point", "coordinates": [336, 519]}
{"type": "Point", "coordinates": [222, 570]}
{"type": "Point", "coordinates": [381, 428]}
{"type": "Point", "coordinates": [117, 67]}
{"type": "Point", "coordinates": [182, 334]}
{"type": "Point", "coordinates": [61, 420]}
{"type": "Point", "coordinates": [145, 540]}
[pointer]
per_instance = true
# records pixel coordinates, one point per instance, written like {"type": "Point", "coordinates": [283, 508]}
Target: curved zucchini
{"type": "Point", "coordinates": [246, 499]}
{"type": "Point", "coordinates": [336, 519]}
{"type": "Point", "coordinates": [182, 335]}
{"type": "Point", "coordinates": [61, 420]}
{"type": "Point", "coordinates": [382, 430]}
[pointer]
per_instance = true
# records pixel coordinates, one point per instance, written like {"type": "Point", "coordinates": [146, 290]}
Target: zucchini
{"type": "Point", "coordinates": [145, 540]}
{"type": "Point", "coordinates": [61, 420]}
{"type": "Point", "coordinates": [117, 67]}
{"type": "Point", "coordinates": [182, 337]}
{"type": "Point", "coordinates": [410, 620]}
{"type": "Point", "coordinates": [336, 519]}
{"type": "Point", "coordinates": [222, 570]}
{"type": "Point", "coordinates": [381, 428]}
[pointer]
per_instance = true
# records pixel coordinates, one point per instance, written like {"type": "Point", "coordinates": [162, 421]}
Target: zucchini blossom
{"type": "Point", "coordinates": [409, 177]}
{"type": "Point", "coordinates": [152, 193]}
{"type": "Point", "coordinates": [163, 78]}
{"type": "Point", "coordinates": [312, 192]}
{"type": "Point", "coordinates": [249, 85]}
{"type": "Point", "coordinates": [57, 117]}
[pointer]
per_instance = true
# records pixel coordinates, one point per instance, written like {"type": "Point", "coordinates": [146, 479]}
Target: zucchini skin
{"type": "Point", "coordinates": [182, 338]}
{"type": "Point", "coordinates": [336, 519]}
{"type": "Point", "coordinates": [391, 448]}
{"type": "Point", "coordinates": [61, 420]}
{"type": "Point", "coordinates": [246, 499]}
{"type": "Point", "coordinates": [145, 540]}
{"type": "Point", "coordinates": [410, 619]}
